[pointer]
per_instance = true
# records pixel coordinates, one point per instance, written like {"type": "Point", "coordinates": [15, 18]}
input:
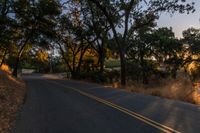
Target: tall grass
{"type": "Point", "coordinates": [179, 89]}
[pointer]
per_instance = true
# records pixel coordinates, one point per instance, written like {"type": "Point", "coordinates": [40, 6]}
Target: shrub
{"type": "Point", "coordinates": [112, 76]}
{"type": "Point", "coordinates": [135, 71]}
{"type": "Point", "coordinates": [94, 76]}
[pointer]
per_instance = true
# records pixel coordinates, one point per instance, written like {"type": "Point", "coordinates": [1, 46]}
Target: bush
{"type": "Point", "coordinates": [135, 71]}
{"type": "Point", "coordinates": [112, 76]}
{"type": "Point", "coordinates": [112, 63]}
{"type": "Point", "coordinates": [161, 74]}
{"type": "Point", "coordinates": [94, 76]}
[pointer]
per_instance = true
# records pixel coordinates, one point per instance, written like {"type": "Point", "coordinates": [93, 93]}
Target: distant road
{"type": "Point", "coordinates": [65, 106]}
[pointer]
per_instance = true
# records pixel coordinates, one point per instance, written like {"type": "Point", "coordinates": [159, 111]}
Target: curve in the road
{"type": "Point", "coordinates": [144, 119]}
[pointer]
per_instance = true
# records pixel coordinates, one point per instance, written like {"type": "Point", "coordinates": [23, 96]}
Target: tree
{"type": "Point", "coordinates": [6, 31]}
{"type": "Point", "coordinates": [191, 37]}
{"type": "Point", "coordinates": [35, 21]}
{"type": "Point", "coordinates": [191, 58]}
{"type": "Point", "coordinates": [167, 49]}
{"type": "Point", "coordinates": [73, 41]}
{"type": "Point", "coordinates": [100, 28]}
{"type": "Point", "coordinates": [76, 33]}
{"type": "Point", "coordinates": [128, 14]}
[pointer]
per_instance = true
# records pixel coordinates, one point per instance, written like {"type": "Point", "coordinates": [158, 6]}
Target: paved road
{"type": "Point", "coordinates": [64, 106]}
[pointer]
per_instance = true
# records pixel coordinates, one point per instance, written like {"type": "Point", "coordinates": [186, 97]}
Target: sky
{"type": "Point", "coordinates": [180, 22]}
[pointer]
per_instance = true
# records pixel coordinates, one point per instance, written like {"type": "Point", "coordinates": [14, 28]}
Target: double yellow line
{"type": "Point", "coordinates": [124, 110]}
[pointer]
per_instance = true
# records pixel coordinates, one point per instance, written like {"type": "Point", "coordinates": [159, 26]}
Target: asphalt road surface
{"type": "Point", "coordinates": [65, 106]}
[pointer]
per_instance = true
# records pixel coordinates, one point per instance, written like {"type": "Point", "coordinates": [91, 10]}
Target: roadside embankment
{"type": "Point", "coordinates": [12, 93]}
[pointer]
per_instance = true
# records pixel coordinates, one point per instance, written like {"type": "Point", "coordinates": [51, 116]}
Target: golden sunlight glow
{"type": "Point", "coordinates": [5, 67]}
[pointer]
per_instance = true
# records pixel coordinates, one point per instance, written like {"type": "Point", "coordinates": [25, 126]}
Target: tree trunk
{"type": "Point", "coordinates": [81, 59]}
{"type": "Point", "coordinates": [64, 58]}
{"type": "Point", "coordinates": [3, 58]}
{"type": "Point", "coordinates": [123, 68]}
{"type": "Point", "coordinates": [74, 75]}
{"type": "Point", "coordinates": [102, 57]}
{"type": "Point", "coordinates": [142, 64]}
{"type": "Point", "coordinates": [174, 72]}
{"type": "Point", "coordinates": [74, 63]}
{"type": "Point", "coordinates": [78, 69]}
{"type": "Point", "coordinates": [16, 65]}
{"type": "Point", "coordinates": [101, 63]}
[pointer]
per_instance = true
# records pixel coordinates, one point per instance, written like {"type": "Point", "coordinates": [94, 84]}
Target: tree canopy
{"type": "Point", "coordinates": [86, 34]}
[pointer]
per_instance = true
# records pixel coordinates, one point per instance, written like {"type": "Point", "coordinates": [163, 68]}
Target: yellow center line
{"type": "Point", "coordinates": [144, 119]}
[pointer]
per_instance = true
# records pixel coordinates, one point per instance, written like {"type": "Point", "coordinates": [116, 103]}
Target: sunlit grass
{"type": "Point", "coordinates": [179, 89]}
{"type": "Point", "coordinates": [5, 68]}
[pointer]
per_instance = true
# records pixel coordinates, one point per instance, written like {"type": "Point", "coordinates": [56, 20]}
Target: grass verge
{"type": "Point", "coordinates": [180, 89]}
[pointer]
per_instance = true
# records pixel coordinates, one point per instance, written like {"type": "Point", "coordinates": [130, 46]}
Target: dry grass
{"type": "Point", "coordinates": [5, 68]}
{"type": "Point", "coordinates": [12, 92]}
{"type": "Point", "coordinates": [179, 89]}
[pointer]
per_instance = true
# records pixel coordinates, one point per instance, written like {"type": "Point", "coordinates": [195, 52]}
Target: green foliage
{"type": "Point", "coordinates": [94, 76]}
{"type": "Point", "coordinates": [84, 32]}
{"type": "Point", "coordinates": [131, 16]}
{"type": "Point", "coordinates": [192, 38]}
{"type": "Point", "coordinates": [34, 25]}
{"type": "Point", "coordinates": [165, 43]}
{"type": "Point", "coordinates": [112, 63]}
{"type": "Point", "coordinates": [112, 75]}
{"type": "Point", "coordinates": [135, 71]}
{"type": "Point", "coordinates": [36, 20]}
